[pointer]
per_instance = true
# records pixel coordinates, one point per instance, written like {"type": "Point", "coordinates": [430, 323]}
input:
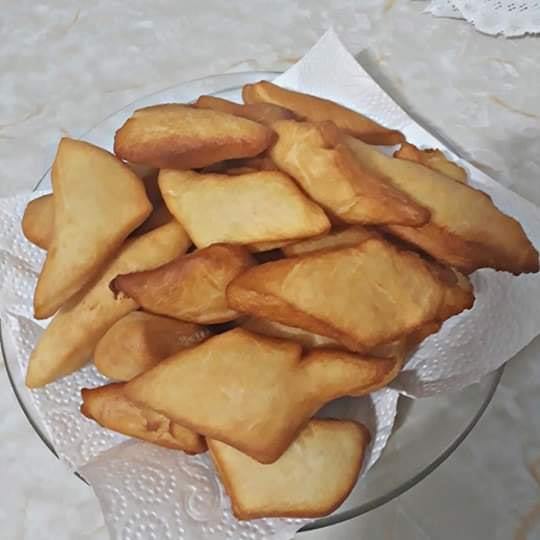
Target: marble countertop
{"type": "Point", "coordinates": [66, 64]}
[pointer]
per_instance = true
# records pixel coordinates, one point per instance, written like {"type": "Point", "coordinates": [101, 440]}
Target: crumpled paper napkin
{"type": "Point", "coordinates": [148, 492]}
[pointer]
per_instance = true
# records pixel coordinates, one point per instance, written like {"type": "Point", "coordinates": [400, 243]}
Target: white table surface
{"type": "Point", "coordinates": [66, 64]}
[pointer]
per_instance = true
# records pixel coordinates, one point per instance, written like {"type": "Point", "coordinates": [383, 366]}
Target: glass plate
{"type": "Point", "coordinates": [427, 430]}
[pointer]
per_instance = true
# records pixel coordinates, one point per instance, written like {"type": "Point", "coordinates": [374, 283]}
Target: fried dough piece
{"type": "Point", "coordinates": [433, 159]}
{"type": "Point", "coordinates": [109, 407]}
{"type": "Point", "coordinates": [69, 340]}
{"type": "Point", "coordinates": [139, 341]}
{"type": "Point", "coordinates": [38, 218]}
{"type": "Point", "coordinates": [362, 296]}
{"type": "Point", "coordinates": [98, 201]}
{"type": "Point", "coordinates": [315, 109]}
{"type": "Point", "coordinates": [263, 393]}
{"type": "Point", "coordinates": [264, 113]}
{"type": "Point", "coordinates": [311, 479]}
{"type": "Point", "coordinates": [266, 206]}
{"type": "Point", "coordinates": [350, 236]}
{"type": "Point", "coordinates": [318, 159]}
{"type": "Point", "coordinates": [466, 230]}
{"type": "Point", "coordinates": [182, 137]}
{"type": "Point", "coordinates": [38, 221]}
{"type": "Point", "coordinates": [190, 288]}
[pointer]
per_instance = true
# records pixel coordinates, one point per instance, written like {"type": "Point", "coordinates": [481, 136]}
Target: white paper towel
{"type": "Point", "coordinates": [510, 18]}
{"type": "Point", "coordinates": [150, 492]}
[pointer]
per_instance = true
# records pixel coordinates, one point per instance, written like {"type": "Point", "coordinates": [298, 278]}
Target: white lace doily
{"type": "Point", "coordinates": [512, 18]}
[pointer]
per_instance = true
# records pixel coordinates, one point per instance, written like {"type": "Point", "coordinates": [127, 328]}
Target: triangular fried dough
{"type": "Point", "coordinates": [316, 109]}
{"type": "Point", "coordinates": [315, 156]}
{"type": "Point", "coordinates": [433, 159]}
{"type": "Point", "coordinates": [108, 406]}
{"type": "Point", "coordinates": [98, 201]}
{"type": "Point", "coordinates": [264, 113]}
{"type": "Point", "coordinates": [139, 341]}
{"type": "Point", "coordinates": [311, 479]}
{"type": "Point", "coordinates": [361, 296]}
{"type": "Point", "coordinates": [69, 340]}
{"type": "Point", "coordinates": [38, 221]}
{"type": "Point", "coordinates": [261, 391]}
{"type": "Point", "coordinates": [38, 218]}
{"type": "Point", "coordinates": [178, 136]}
{"type": "Point", "coordinates": [190, 288]}
{"type": "Point", "coordinates": [265, 206]}
{"type": "Point", "coordinates": [466, 229]}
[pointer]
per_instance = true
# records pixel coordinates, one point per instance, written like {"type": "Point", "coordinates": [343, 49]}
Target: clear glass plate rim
{"type": "Point", "coordinates": [332, 519]}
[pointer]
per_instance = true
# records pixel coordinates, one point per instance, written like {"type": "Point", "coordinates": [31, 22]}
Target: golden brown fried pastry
{"type": "Point", "coordinates": [316, 109]}
{"type": "Point", "coordinates": [362, 296]}
{"type": "Point", "coordinates": [266, 206]}
{"type": "Point", "coordinates": [311, 479]}
{"type": "Point", "coordinates": [69, 340]}
{"type": "Point", "coordinates": [178, 136]}
{"type": "Point", "coordinates": [139, 341]}
{"type": "Point", "coordinates": [109, 407]}
{"type": "Point", "coordinates": [337, 238]}
{"type": "Point", "coordinates": [264, 113]}
{"type": "Point", "coordinates": [434, 159]}
{"type": "Point", "coordinates": [466, 229]}
{"type": "Point", "coordinates": [98, 201]}
{"type": "Point", "coordinates": [318, 159]}
{"type": "Point", "coordinates": [190, 288]}
{"type": "Point", "coordinates": [262, 392]}
{"type": "Point", "coordinates": [38, 221]}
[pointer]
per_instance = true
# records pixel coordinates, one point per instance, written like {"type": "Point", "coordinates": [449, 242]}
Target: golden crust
{"type": "Point", "coordinates": [182, 137]}
{"type": "Point", "coordinates": [316, 109]}
{"type": "Point", "coordinates": [98, 202]}
{"type": "Point", "coordinates": [265, 206]}
{"type": "Point", "coordinates": [466, 230]}
{"type": "Point", "coordinates": [311, 479]}
{"type": "Point", "coordinates": [38, 221]}
{"type": "Point", "coordinates": [190, 288]}
{"type": "Point", "coordinates": [316, 157]}
{"type": "Point", "coordinates": [139, 341]}
{"type": "Point", "coordinates": [263, 113]}
{"type": "Point", "coordinates": [108, 406]}
{"type": "Point", "coordinates": [433, 159]}
{"type": "Point", "coordinates": [350, 294]}
{"type": "Point", "coordinates": [38, 218]}
{"type": "Point", "coordinates": [69, 340]}
{"type": "Point", "coordinates": [263, 392]}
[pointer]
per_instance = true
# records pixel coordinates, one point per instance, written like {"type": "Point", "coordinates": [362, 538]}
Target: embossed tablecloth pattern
{"type": "Point", "coordinates": [67, 64]}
